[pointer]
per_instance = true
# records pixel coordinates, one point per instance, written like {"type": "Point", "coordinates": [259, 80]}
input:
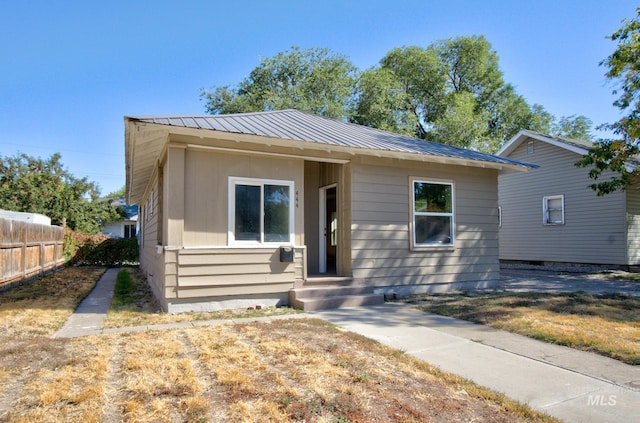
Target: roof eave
{"type": "Point", "coordinates": [332, 148]}
{"type": "Point", "coordinates": [523, 134]}
{"type": "Point", "coordinates": [141, 157]}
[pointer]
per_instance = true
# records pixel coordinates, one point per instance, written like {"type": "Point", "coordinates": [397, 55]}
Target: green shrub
{"type": "Point", "coordinates": [99, 250]}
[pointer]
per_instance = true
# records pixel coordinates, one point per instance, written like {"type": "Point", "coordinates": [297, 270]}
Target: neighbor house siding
{"type": "Point", "coordinates": [381, 227]}
{"type": "Point", "coordinates": [633, 225]}
{"type": "Point", "coordinates": [595, 227]}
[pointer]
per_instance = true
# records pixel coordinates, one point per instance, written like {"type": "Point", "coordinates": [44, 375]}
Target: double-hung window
{"type": "Point", "coordinates": [553, 210]}
{"type": "Point", "coordinates": [260, 211]}
{"type": "Point", "coordinates": [432, 213]}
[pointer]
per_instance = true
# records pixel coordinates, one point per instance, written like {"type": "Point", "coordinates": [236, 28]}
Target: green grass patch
{"type": "Point", "coordinates": [124, 289]}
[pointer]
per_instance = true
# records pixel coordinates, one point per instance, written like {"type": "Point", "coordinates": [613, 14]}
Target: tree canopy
{"type": "Point", "coordinates": [614, 162]}
{"type": "Point", "coordinates": [451, 91]}
{"type": "Point", "coordinates": [315, 80]}
{"type": "Point", "coordinates": [34, 185]}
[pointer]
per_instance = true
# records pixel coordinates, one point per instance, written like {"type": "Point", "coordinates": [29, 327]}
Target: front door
{"type": "Point", "coordinates": [328, 229]}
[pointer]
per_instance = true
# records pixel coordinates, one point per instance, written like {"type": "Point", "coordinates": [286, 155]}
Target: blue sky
{"type": "Point", "coordinates": [72, 70]}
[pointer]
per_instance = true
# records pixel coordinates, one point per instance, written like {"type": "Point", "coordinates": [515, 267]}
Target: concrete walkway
{"type": "Point", "coordinates": [88, 318]}
{"type": "Point", "coordinates": [571, 385]}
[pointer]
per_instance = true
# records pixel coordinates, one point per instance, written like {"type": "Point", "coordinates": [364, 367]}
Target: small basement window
{"type": "Point", "coordinates": [553, 210]}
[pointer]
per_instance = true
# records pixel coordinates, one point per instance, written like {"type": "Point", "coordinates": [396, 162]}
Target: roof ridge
{"type": "Point", "coordinates": [562, 138]}
{"type": "Point", "coordinates": [212, 115]}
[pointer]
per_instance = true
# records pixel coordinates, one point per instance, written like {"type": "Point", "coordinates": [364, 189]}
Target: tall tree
{"type": "Point", "coordinates": [616, 160]}
{"type": "Point", "coordinates": [315, 80]}
{"type": "Point", "coordinates": [34, 185]}
{"type": "Point", "coordinates": [451, 91]}
{"type": "Point", "coordinates": [383, 100]}
{"type": "Point", "coordinates": [576, 127]}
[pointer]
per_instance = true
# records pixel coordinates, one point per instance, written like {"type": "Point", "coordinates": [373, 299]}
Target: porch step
{"type": "Point", "coordinates": [328, 281]}
{"type": "Point", "coordinates": [331, 296]}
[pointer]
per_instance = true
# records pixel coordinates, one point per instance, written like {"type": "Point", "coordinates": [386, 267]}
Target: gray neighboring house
{"type": "Point", "coordinates": [551, 215]}
{"type": "Point", "coordinates": [285, 207]}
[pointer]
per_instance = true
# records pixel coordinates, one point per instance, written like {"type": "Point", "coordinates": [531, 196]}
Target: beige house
{"type": "Point", "coordinates": [287, 207]}
{"type": "Point", "coordinates": [551, 215]}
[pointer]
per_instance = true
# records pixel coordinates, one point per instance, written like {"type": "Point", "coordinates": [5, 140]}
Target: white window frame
{"type": "Point", "coordinates": [431, 245]}
{"type": "Point", "coordinates": [530, 147]}
{"type": "Point", "coordinates": [545, 210]}
{"type": "Point", "coordinates": [233, 181]}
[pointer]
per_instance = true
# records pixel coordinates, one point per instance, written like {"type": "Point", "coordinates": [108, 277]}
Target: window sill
{"type": "Point", "coordinates": [432, 248]}
{"type": "Point", "coordinates": [240, 247]}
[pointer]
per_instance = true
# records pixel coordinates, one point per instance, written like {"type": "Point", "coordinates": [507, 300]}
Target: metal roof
{"type": "Point", "coordinates": [296, 125]}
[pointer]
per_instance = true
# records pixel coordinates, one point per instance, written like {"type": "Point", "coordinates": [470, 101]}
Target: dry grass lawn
{"type": "Point", "coordinates": [136, 306]}
{"type": "Point", "coordinates": [607, 324]}
{"type": "Point", "coordinates": [278, 371]}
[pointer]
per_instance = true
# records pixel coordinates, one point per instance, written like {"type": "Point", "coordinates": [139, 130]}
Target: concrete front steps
{"type": "Point", "coordinates": [332, 292]}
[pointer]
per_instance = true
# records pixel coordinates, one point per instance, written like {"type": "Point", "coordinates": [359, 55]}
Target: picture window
{"type": "Point", "coordinates": [260, 211]}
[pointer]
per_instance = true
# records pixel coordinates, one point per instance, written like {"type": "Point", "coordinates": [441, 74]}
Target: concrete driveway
{"type": "Point", "coordinates": [554, 280]}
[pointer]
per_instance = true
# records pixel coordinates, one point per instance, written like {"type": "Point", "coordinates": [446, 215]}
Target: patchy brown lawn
{"type": "Point", "coordinates": [607, 324]}
{"type": "Point", "coordinates": [282, 370]}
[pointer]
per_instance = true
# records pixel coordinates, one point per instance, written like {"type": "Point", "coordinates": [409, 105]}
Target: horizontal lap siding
{"type": "Point", "coordinates": [151, 261]}
{"type": "Point", "coordinates": [594, 229]}
{"type": "Point", "coordinates": [207, 174]}
{"type": "Point", "coordinates": [184, 218]}
{"type": "Point", "coordinates": [633, 226]}
{"type": "Point", "coordinates": [233, 272]}
{"type": "Point", "coordinates": [380, 226]}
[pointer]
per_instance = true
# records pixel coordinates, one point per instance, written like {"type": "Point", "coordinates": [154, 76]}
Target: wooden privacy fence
{"type": "Point", "coordinates": [28, 250]}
